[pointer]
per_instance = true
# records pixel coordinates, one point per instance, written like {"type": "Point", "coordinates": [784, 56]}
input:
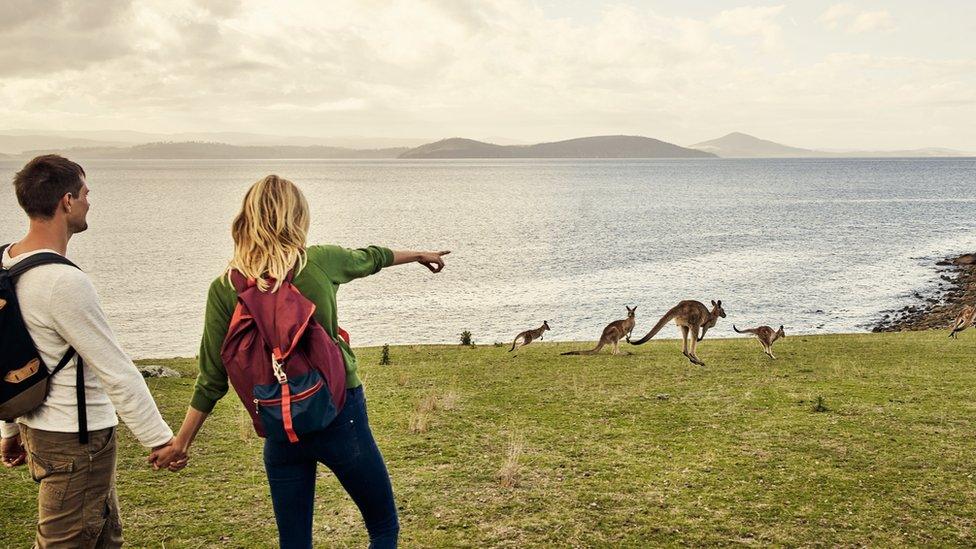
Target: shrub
{"type": "Point", "coordinates": [819, 405]}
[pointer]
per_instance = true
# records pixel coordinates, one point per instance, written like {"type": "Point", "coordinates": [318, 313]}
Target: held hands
{"type": "Point", "coordinates": [171, 455]}
{"type": "Point", "coordinates": [12, 452]}
{"type": "Point", "coordinates": [433, 260]}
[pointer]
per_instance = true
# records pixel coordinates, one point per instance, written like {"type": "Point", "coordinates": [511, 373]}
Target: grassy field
{"type": "Point", "coordinates": [845, 440]}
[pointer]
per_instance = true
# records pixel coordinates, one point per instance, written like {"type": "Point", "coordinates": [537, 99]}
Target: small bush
{"type": "Point", "coordinates": [466, 339]}
{"type": "Point", "coordinates": [385, 355]}
{"type": "Point", "coordinates": [819, 405]}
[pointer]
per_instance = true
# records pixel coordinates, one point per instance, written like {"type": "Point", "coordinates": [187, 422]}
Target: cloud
{"type": "Point", "coordinates": [753, 21]}
{"type": "Point", "coordinates": [434, 68]}
{"type": "Point", "coordinates": [50, 35]}
{"type": "Point", "coordinates": [856, 21]}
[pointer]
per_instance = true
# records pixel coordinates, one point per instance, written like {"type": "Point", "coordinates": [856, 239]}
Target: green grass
{"type": "Point", "coordinates": [634, 450]}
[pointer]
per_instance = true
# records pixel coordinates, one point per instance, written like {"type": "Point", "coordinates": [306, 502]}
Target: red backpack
{"type": "Point", "coordinates": [286, 369]}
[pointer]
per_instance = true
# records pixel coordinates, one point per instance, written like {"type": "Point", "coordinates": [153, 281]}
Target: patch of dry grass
{"type": "Point", "coordinates": [510, 472]}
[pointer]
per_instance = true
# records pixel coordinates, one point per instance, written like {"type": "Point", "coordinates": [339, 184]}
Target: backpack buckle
{"type": "Point", "coordinates": [279, 370]}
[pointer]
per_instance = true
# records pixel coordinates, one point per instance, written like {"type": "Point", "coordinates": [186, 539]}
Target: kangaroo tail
{"type": "Point", "coordinates": [738, 331]}
{"type": "Point", "coordinates": [513, 344]}
{"type": "Point", "coordinates": [657, 327]}
{"type": "Point", "coordinates": [592, 351]}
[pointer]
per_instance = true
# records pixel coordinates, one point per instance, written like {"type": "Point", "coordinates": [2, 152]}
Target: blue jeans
{"type": "Point", "coordinates": [346, 447]}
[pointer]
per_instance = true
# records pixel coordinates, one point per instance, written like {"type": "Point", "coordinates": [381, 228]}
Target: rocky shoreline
{"type": "Point", "coordinates": [938, 310]}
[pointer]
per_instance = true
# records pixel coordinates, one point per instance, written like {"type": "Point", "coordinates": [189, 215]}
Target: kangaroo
{"type": "Point", "coordinates": [694, 319]}
{"type": "Point", "coordinates": [766, 336]}
{"type": "Point", "coordinates": [965, 319]}
{"type": "Point", "coordinates": [612, 334]}
{"type": "Point", "coordinates": [529, 336]}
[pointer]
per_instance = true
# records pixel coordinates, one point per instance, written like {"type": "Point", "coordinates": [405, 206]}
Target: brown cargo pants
{"type": "Point", "coordinates": [77, 506]}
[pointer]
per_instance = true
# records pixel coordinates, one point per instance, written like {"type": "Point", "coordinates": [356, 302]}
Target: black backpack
{"type": "Point", "coordinates": [23, 375]}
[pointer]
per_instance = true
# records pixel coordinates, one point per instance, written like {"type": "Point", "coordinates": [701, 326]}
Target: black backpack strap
{"type": "Point", "coordinates": [82, 406]}
{"type": "Point", "coordinates": [64, 361]}
{"type": "Point", "coordinates": [36, 260]}
{"type": "Point", "coordinates": [79, 391]}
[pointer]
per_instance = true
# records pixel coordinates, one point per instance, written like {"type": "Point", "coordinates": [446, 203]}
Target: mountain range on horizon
{"type": "Point", "coordinates": [741, 145]}
{"type": "Point", "coordinates": [604, 146]}
{"type": "Point", "coordinates": [125, 145]}
{"type": "Point", "coordinates": [17, 141]}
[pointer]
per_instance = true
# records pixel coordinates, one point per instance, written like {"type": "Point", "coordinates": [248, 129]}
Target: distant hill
{"type": "Point", "coordinates": [199, 150]}
{"type": "Point", "coordinates": [736, 144]}
{"type": "Point", "coordinates": [740, 145]}
{"type": "Point", "coordinates": [14, 140]}
{"type": "Point", "coordinates": [15, 144]}
{"type": "Point", "coordinates": [605, 146]}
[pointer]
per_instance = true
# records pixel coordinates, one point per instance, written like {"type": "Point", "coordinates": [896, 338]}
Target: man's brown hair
{"type": "Point", "coordinates": [43, 183]}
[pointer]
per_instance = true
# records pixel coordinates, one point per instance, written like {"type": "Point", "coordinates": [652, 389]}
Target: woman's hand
{"type": "Point", "coordinates": [433, 260]}
{"type": "Point", "coordinates": [167, 455]}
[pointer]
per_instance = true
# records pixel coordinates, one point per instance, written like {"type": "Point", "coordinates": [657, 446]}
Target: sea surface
{"type": "Point", "coordinates": [819, 245]}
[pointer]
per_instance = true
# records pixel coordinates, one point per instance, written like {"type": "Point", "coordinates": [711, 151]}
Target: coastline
{"type": "Point", "coordinates": [937, 309]}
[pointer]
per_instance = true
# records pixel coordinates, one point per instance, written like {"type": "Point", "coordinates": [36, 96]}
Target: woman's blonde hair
{"type": "Point", "coordinates": [270, 231]}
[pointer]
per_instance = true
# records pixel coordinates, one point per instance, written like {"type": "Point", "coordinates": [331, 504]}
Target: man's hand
{"type": "Point", "coordinates": [12, 452]}
{"type": "Point", "coordinates": [433, 260]}
{"type": "Point", "coordinates": [171, 455]}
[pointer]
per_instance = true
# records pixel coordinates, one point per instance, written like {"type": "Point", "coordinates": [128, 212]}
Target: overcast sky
{"type": "Point", "coordinates": [860, 74]}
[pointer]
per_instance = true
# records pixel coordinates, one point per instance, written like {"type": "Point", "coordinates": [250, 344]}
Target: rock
{"type": "Point", "coordinates": [965, 259]}
{"type": "Point", "coordinates": [156, 370]}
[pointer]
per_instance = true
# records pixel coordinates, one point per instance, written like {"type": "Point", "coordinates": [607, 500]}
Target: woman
{"type": "Point", "coordinates": [269, 241]}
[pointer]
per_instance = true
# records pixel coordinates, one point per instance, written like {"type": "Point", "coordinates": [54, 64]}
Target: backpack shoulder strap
{"type": "Point", "coordinates": [36, 260]}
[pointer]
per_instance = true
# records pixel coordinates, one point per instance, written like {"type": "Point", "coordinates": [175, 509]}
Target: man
{"type": "Point", "coordinates": [77, 502]}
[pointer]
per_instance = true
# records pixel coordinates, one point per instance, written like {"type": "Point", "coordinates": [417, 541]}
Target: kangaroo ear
{"type": "Point", "coordinates": [720, 303]}
{"type": "Point", "coordinates": [713, 302]}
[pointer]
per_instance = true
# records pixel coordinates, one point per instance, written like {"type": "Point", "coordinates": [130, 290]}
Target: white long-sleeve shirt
{"type": "Point", "coordinates": [61, 309]}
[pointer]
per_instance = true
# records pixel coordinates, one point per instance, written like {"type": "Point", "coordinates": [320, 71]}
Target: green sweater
{"type": "Point", "coordinates": [327, 268]}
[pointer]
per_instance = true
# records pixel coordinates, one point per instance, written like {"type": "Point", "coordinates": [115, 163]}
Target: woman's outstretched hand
{"type": "Point", "coordinates": [433, 260]}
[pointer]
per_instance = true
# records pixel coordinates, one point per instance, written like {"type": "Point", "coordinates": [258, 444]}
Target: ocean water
{"type": "Point", "coordinates": [819, 245]}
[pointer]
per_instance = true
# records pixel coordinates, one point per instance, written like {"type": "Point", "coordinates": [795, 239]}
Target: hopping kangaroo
{"type": "Point", "coordinates": [612, 334]}
{"type": "Point", "coordinates": [965, 319]}
{"type": "Point", "coordinates": [694, 319]}
{"type": "Point", "coordinates": [529, 336]}
{"type": "Point", "coordinates": [766, 336]}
